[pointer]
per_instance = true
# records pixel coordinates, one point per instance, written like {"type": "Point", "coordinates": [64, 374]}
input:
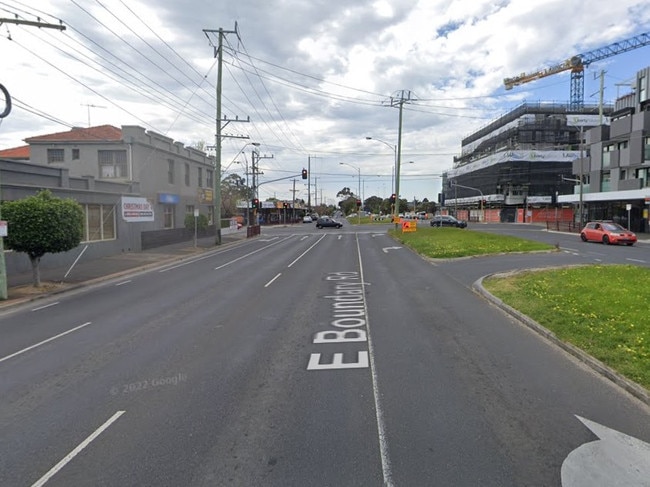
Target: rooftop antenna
{"type": "Point", "coordinates": [88, 106]}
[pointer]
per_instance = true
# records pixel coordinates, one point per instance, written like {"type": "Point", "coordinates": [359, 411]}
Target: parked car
{"type": "Point", "coordinates": [307, 219]}
{"type": "Point", "coordinates": [447, 221]}
{"type": "Point", "coordinates": [326, 221]}
{"type": "Point", "coordinates": [607, 233]}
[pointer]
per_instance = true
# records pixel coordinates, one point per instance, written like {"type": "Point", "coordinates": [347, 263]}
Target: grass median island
{"type": "Point", "coordinates": [601, 309]}
{"type": "Point", "coordinates": [447, 243]}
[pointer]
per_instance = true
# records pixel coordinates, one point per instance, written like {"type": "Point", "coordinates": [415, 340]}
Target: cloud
{"type": "Point", "coordinates": [315, 78]}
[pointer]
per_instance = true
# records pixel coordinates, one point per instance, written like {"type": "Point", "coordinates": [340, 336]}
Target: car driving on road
{"type": "Point", "coordinates": [608, 233]}
{"type": "Point", "coordinates": [447, 221]}
{"type": "Point", "coordinates": [326, 221]}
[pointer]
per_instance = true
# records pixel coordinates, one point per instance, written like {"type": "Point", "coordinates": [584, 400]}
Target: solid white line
{"type": "Point", "coordinates": [271, 281]}
{"type": "Point", "coordinates": [43, 342]}
{"type": "Point", "coordinates": [122, 283]}
{"type": "Point", "coordinates": [301, 255]}
{"type": "Point", "coordinates": [45, 306]}
{"type": "Point", "coordinates": [40, 482]}
{"type": "Point", "coordinates": [636, 260]}
{"type": "Point", "coordinates": [379, 411]}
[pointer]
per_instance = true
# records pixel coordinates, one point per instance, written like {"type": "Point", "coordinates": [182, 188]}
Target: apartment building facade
{"type": "Point", "coordinates": [615, 169]}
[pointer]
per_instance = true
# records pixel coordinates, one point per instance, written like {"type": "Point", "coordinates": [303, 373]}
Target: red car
{"type": "Point", "coordinates": [607, 233]}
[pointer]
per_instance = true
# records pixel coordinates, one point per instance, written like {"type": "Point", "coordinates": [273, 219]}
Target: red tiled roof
{"type": "Point", "coordinates": [15, 153]}
{"type": "Point", "coordinates": [100, 133]}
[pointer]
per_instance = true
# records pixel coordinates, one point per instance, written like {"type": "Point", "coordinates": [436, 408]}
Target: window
{"type": "Point", "coordinates": [75, 154]}
{"type": "Point", "coordinates": [200, 177]}
{"type": "Point", "coordinates": [210, 181]}
{"type": "Point", "coordinates": [604, 182]}
{"type": "Point", "coordinates": [112, 164]}
{"type": "Point", "coordinates": [622, 145]}
{"type": "Point", "coordinates": [642, 174]}
{"type": "Point", "coordinates": [55, 155]}
{"type": "Point", "coordinates": [99, 222]}
{"type": "Point", "coordinates": [170, 172]}
{"type": "Point", "coordinates": [189, 210]}
{"type": "Point", "coordinates": [606, 155]}
{"type": "Point", "coordinates": [646, 150]}
{"type": "Point", "coordinates": [187, 174]}
{"type": "Point", "coordinates": [642, 88]}
{"type": "Point", "coordinates": [168, 215]}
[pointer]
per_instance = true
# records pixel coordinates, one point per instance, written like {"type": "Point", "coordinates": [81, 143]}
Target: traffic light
{"type": "Point", "coordinates": [304, 173]}
{"type": "Point", "coordinates": [392, 199]}
{"type": "Point", "coordinates": [358, 203]}
{"type": "Point", "coordinates": [256, 203]}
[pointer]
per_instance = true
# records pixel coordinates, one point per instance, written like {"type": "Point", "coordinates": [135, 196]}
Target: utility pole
{"type": "Point", "coordinates": [216, 198]}
{"type": "Point", "coordinates": [404, 97]}
{"type": "Point", "coordinates": [255, 172]}
{"type": "Point", "coordinates": [309, 184]}
{"type": "Point", "coordinates": [293, 200]}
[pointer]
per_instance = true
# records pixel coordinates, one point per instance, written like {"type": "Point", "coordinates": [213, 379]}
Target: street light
{"type": "Point", "coordinates": [394, 149]}
{"type": "Point", "coordinates": [248, 195]}
{"type": "Point", "coordinates": [359, 174]}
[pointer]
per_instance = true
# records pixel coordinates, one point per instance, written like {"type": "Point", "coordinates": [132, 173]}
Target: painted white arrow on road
{"type": "Point", "coordinates": [386, 249]}
{"type": "Point", "coordinates": [615, 460]}
{"type": "Point", "coordinates": [268, 239]}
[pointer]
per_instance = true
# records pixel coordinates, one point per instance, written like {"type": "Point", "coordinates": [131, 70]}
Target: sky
{"type": "Point", "coordinates": [308, 81]}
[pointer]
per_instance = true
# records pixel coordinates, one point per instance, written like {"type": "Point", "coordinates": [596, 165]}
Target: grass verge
{"type": "Point", "coordinates": [601, 309]}
{"type": "Point", "coordinates": [445, 243]}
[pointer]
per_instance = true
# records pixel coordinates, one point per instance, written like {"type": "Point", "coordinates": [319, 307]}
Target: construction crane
{"type": "Point", "coordinates": [577, 64]}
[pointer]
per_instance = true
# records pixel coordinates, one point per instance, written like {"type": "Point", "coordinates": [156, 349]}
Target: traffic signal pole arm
{"type": "Point", "coordinates": [279, 179]}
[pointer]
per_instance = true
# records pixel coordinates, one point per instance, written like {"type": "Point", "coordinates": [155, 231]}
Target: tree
{"type": "Point", "coordinates": [42, 224]}
{"type": "Point", "coordinates": [201, 222]}
{"type": "Point", "coordinates": [233, 188]}
{"type": "Point", "coordinates": [374, 204]}
{"type": "Point", "coordinates": [345, 193]}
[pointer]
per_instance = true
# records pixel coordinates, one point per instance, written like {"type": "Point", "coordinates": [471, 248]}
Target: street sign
{"type": "Point", "coordinates": [409, 226]}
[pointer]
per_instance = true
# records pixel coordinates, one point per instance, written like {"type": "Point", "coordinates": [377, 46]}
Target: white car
{"type": "Point", "coordinates": [306, 219]}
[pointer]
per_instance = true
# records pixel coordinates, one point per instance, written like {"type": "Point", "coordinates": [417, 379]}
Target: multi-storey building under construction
{"type": "Point", "coordinates": [516, 167]}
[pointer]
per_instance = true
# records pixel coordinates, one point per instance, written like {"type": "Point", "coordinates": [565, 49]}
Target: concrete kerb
{"type": "Point", "coordinates": [596, 365]}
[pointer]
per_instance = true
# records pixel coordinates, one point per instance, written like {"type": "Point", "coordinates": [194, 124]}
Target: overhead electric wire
{"type": "Point", "coordinates": [268, 93]}
{"type": "Point", "coordinates": [121, 38]}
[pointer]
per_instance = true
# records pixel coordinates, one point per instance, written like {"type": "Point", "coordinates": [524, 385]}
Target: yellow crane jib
{"type": "Point", "coordinates": [574, 64]}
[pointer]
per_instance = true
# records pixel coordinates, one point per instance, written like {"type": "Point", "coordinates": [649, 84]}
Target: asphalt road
{"type": "Point", "coordinates": [305, 357]}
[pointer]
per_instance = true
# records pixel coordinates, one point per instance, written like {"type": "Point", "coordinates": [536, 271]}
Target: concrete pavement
{"type": "Point", "coordinates": [19, 288]}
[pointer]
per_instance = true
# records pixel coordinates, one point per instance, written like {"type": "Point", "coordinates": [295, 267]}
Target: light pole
{"type": "Point", "coordinates": [359, 174]}
{"type": "Point", "coordinates": [394, 149]}
{"type": "Point", "coordinates": [248, 192]}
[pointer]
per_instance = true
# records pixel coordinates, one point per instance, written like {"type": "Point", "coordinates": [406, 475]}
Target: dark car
{"type": "Point", "coordinates": [447, 221]}
{"type": "Point", "coordinates": [326, 221]}
{"type": "Point", "coordinates": [607, 233]}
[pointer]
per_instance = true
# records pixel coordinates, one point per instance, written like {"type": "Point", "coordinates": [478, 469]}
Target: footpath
{"type": "Point", "coordinates": [87, 271]}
